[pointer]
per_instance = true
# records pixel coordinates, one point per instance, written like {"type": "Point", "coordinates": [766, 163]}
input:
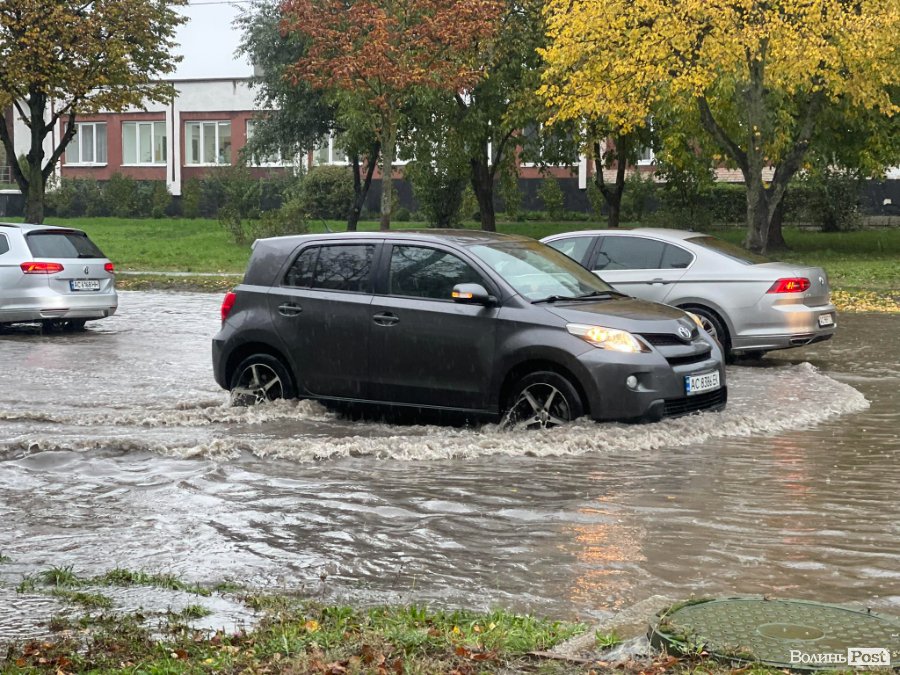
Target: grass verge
{"type": "Point", "coordinates": [863, 266]}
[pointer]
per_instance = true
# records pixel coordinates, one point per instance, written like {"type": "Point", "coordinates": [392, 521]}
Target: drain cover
{"type": "Point", "coordinates": [784, 633]}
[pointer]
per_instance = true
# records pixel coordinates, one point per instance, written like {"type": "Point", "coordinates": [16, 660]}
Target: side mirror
{"type": "Point", "coordinates": [472, 294]}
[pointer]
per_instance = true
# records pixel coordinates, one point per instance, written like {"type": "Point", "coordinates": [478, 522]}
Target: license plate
{"type": "Point", "coordinates": [84, 284]}
{"type": "Point", "coordinates": [695, 384]}
{"type": "Point", "coordinates": [826, 320]}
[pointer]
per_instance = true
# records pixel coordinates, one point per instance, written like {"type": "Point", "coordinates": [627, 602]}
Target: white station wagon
{"type": "Point", "coordinates": [53, 275]}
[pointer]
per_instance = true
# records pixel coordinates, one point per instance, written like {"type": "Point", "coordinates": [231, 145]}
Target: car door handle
{"type": "Point", "coordinates": [386, 319]}
{"type": "Point", "coordinates": [659, 281]}
{"type": "Point", "coordinates": [289, 309]}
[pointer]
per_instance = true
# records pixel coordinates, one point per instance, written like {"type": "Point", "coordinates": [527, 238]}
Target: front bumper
{"type": "Point", "coordinates": [660, 390]}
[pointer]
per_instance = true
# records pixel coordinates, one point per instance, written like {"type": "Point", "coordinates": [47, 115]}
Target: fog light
{"type": "Point", "coordinates": [631, 382]}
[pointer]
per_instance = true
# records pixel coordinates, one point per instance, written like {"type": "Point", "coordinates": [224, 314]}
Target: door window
{"type": "Point", "coordinates": [421, 272]}
{"type": "Point", "coordinates": [4, 244]}
{"type": "Point", "coordinates": [574, 247]}
{"type": "Point", "coordinates": [628, 253]}
{"type": "Point", "coordinates": [344, 268]}
{"type": "Point", "coordinates": [300, 274]}
{"type": "Point", "coordinates": [334, 268]}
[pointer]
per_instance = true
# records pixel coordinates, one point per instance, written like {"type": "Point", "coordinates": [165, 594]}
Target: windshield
{"type": "Point", "coordinates": [730, 250]}
{"type": "Point", "coordinates": [539, 272]}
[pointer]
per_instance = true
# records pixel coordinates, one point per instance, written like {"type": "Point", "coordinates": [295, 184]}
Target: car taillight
{"type": "Point", "coordinates": [109, 267]}
{"type": "Point", "coordinates": [790, 285]}
{"type": "Point", "coordinates": [227, 304]}
{"type": "Point", "coordinates": [41, 267]}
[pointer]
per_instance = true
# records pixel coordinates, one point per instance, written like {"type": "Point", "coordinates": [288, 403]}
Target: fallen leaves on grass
{"type": "Point", "coordinates": [866, 301]}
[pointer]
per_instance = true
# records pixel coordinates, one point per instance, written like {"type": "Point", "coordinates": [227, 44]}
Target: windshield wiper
{"type": "Point", "coordinates": [593, 295]}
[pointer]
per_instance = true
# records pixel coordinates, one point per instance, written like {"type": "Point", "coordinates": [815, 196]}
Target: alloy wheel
{"type": "Point", "coordinates": [538, 406]}
{"type": "Point", "coordinates": [257, 384]}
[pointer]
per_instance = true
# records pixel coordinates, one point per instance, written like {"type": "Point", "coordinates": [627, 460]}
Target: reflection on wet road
{"type": "Point", "coordinates": [116, 448]}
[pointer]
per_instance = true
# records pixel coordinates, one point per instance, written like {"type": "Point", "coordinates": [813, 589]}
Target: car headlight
{"type": "Point", "coordinates": [607, 338]}
{"type": "Point", "coordinates": [697, 319]}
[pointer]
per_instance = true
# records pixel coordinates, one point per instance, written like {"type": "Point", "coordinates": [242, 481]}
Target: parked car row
{"type": "Point", "coordinates": [616, 325]}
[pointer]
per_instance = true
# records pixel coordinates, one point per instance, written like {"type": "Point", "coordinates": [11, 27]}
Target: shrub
{"type": "Point", "coordinates": [596, 200]}
{"type": "Point", "coordinates": [94, 198]}
{"type": "Point", "coordinates": [639, 197]}
{"type": "Point", "coordinates": [510, 193]}
{"type": "Point", "coordinates": [238, 194]}
{"type": "Point", "coordinates": [469, 208]}
{"type": "Point", "coordinates": [832, 200]}
{"type": "Point", "coordinates": [63, 199]}
{"type": "Point", "coordinates": [327, 192]}
{"type": "Point", "coordinates": [120, 194]}
{"type": "Point", "coordinates": [438, 188]}
{"type": "Point", "coordinates": [551, 195]}
{"type": "Point", "coordinates": [190, 198]}
{"type": "Point", "coordinates": [403, 215]}
{"type": "Point", "coordinates": [160, 199]}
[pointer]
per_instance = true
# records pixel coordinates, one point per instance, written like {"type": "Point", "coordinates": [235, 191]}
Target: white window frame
{"type": "Point", "coordinates": [137, 142]}
{"type": "Point", "coordinates": [331, 160]}
{"type": "Point", "coordinates": [531, 165]}
{"type": "Point", "coordinates": [277, 160]}
{"type": "Point", "coordinates": [76, 143]}
{"type": "Point", "coordinates": [203, 141]}
{"type": "Point", "coordinates": [646, 161]}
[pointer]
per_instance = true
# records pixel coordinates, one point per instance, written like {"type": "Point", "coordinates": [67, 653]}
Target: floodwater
{"type": "Point", "coordinates": [118, 449]}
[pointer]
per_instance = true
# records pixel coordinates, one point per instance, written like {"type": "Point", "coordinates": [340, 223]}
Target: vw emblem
{"type": "Point", "coordinates": [87, 270]}
{"type": "Point", "coordinates": [684, 333]}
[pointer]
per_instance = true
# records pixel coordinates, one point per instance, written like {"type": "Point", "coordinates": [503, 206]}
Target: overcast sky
{"type": "Point", "coordinates": [208, 40]}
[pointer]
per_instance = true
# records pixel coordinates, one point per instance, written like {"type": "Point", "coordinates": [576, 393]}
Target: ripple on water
{"type": "Point", "coordinates": [761, 401]}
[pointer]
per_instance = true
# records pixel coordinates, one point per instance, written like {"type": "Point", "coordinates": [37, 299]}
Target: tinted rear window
{"type": "Point", "coordinates": [4, 244]}
{"type": "Point", "coordinates": [730, 250]}
{"type": "Point", "coordinates": [62, 245]}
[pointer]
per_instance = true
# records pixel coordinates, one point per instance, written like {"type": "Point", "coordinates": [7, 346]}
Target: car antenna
{"type": "Point", "coordinates": [327, 229]}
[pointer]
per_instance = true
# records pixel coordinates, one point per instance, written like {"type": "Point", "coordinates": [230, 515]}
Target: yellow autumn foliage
{"type": "Point", "coordinates": [616, 59]}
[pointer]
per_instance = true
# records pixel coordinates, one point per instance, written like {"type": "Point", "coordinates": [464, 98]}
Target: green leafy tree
{"type": "Point", "coordinates": [62, 58]}
{"type": "Point", "coordinates": [297, 117]}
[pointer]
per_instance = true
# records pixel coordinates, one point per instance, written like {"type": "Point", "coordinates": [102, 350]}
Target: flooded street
{"type": "Point", "coordinates": [118, 449]}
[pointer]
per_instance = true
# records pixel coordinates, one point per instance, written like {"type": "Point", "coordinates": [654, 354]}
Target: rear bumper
{"type": "Point", "coordinates": [96, 306]}
{"type": "Point", "coordinates": [786, 326]}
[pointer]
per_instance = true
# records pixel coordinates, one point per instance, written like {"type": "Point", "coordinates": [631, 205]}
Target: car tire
{"type": "Point", "coordinates": [260, 378]}
{"type": "Point", "coordinates": [61, 325]}
{"type": "Point", "coordinates": [541, 400]}
{"type": "Point", "coordinates": [713, 325]}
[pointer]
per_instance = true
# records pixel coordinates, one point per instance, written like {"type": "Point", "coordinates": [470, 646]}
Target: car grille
{"type": "Point", "coordinates": [690, 358]}
{"type": "Point", "coordinates": [692, 404]}
{"type": "Point", "coordinates": [662, 339]}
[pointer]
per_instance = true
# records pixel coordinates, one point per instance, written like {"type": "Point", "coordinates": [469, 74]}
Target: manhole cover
{"type": "Point", "coordinates": [784, 633]}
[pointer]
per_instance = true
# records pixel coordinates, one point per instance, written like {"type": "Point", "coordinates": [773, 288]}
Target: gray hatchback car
{"type": "Point", "coordinates": [53, 275]}
{"type": "Point", "coordinates": [487, 324]}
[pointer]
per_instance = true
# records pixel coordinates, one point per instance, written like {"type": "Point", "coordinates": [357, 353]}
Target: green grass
{"type": "Point", "coordinates": [861, 260]}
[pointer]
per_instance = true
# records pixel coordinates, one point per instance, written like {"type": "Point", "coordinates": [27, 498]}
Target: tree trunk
{"type": "Point", "coordinates": [611, 195]}
{"type": "Point", "coordinates": [483, 186]}
{"type": "Point", "coordinates": [388, 148]}
{"type": "Point", "coordinates": [776, 236]}
{"type": "Point", "coordinates": [361, 185]}
{"type": "Point", "coordinates": [34, 197]}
